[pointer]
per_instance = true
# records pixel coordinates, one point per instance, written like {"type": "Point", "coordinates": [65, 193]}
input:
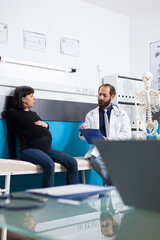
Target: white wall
{"type": "Point", "coordinates": [144, 30]}
{"type": "Point", "coordinates": [103, 36]}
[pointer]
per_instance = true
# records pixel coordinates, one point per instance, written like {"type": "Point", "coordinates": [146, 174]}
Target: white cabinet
{"type": "Point", "coordinates": [126, 89]}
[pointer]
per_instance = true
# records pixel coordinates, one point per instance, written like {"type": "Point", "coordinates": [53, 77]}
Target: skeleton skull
{"type": "Point", "coordinates": [147, 79]}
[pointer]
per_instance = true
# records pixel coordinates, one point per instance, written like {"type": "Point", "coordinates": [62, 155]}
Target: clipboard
{"type": "Point", "coordinates": [91, 134]}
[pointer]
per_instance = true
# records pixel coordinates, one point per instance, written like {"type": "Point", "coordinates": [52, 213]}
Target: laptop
{"type": "Point", "coordinates": [134, 168]}
{"type": "Point", "coordinates": [91, 134]}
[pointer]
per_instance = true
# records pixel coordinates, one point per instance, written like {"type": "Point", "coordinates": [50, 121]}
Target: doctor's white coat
{"type": "Point", "coordinates": [120, 128]}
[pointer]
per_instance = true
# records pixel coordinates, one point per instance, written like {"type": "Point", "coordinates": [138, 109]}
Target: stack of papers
{"type": "Point", "coordinates": [75, 193]}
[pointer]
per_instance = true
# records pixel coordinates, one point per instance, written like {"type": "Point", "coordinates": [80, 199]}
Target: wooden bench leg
{"type": "Point", "coordinates": [7, 184]}
{"type": "Point", "coordinates": [83, 177]}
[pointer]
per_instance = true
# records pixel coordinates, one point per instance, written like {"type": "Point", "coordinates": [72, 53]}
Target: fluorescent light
{"type": "Point", "coordinates": [30, 64]}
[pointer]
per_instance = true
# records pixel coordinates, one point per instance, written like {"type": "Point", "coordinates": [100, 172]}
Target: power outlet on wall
{"type": "Point", "coordinates": [86, 91]}
{"type": "Point", "coordinates": [92, 91]}
{"type": "Point", "coordinates": [79, 90]}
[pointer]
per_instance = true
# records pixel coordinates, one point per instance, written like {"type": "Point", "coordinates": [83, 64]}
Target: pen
{"type": "Point", "coordinates": [81, 127]}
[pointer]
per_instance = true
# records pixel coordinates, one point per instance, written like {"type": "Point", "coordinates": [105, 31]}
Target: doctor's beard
{"type": "Point", "coordinates": [104, 104]}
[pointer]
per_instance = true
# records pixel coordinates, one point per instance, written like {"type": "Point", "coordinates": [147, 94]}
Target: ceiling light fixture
{"type": "Point", "coordinates": [30, 64]}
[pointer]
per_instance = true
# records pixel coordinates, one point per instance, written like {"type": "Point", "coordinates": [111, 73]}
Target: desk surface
{"type": "Point", "coordinates": [65, 221]}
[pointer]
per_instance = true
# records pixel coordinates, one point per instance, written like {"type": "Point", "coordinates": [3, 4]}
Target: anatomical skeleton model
{"type": "Point", "coordinates": [149, 102]}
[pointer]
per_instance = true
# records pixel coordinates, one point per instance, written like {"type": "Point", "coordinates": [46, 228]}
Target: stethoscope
{"type": "Point", "coordinates": [6, 202]}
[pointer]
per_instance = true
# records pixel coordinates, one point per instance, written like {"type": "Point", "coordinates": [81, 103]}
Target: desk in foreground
{"type": "Point", "coordinates": [62, 221]}
{"type": "Point", "coordinates": [70, 222]}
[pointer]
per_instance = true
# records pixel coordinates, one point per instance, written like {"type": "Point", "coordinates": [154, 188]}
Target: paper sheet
{"type": "Point", "coordinates": [70, 190]}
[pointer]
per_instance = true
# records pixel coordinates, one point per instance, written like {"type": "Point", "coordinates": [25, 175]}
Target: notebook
{"type": "Point", "coordinates": [134, 168]}
{"type": "Point", "coordinates": [91, 134]}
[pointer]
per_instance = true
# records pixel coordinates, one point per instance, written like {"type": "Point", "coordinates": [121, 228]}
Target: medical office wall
{"type": "Point", "coordinates": [103, 40]}
{"type": "Point", "coordinates": [144, 31]}
{"type": "Point", "coordinates": [96, 42]}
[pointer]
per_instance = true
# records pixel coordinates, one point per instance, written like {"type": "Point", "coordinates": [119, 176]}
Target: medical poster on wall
{"type": "Point", "coordinates": [155, 64]}
{"type": "Point", "coordinates": [69, 46]}
{"type": "Point", "coordinates": [34, 41]}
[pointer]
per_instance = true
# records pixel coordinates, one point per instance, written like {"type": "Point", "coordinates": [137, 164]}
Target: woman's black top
{"type": "Point", "coordinates": [22, 123]}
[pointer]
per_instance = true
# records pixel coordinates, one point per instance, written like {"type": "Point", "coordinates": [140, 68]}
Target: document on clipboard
{"type": "Point", "coordinates": [91, 134]}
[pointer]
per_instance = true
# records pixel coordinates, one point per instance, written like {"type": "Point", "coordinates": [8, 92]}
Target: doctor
{"type": "Point", "coordinates": [112, 121]}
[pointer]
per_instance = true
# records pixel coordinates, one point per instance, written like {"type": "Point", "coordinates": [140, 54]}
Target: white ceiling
{"type": "Point", "coordinates": [126, 7]}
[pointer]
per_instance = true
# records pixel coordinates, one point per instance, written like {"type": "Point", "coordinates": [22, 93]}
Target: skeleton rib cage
{"type": "Point", "coordinates": [148, 99]}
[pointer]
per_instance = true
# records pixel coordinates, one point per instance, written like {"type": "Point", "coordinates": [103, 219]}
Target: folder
{"type": "Point", "coordinates": [91, 134]}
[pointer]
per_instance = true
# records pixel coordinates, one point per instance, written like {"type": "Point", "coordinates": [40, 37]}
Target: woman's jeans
{"type": "Point", "coordinates": [47, 159]}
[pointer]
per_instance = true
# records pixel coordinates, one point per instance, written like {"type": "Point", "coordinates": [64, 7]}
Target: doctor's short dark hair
{"type": "Point", "coordinates": [112, 88]}
{"type": "Point", "coordinates": [19, 93]}
{"type": "Point", "coordinates": [108, 215]}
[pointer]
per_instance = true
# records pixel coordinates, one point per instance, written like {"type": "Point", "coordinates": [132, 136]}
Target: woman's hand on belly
{"type": "Point", "coordinates": [41, 123]}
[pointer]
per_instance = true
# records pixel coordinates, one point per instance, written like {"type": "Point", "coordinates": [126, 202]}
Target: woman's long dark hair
{"type": "Point", "coordinates": [19, 93]}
